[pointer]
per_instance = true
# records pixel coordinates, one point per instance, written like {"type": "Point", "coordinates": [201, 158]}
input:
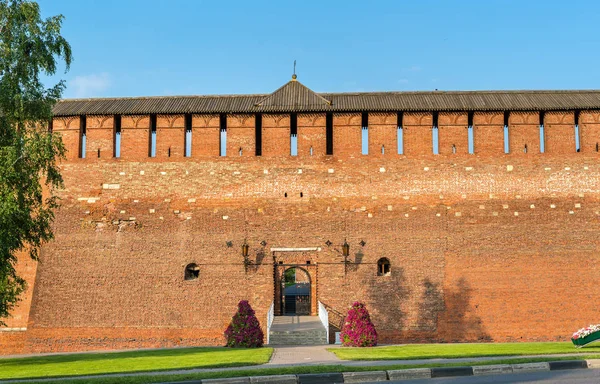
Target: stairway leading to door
{"type": "Point", "coordinates": [297, 330]}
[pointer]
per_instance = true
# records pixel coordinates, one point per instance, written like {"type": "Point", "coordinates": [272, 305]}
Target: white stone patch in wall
{"type": "Point", "coordinates": [237, 173]}
{"type": "Point", "coordinates": [448, 207]}
{"type": "Point", "coordinates": [571, 212]}
{"type": "Point", "coordinates": [414, 208]}
{"type": "Point", "coordinates": [482, 207]}
{"type": "Point", "coordinates": [509, 168]}
{"type": "Point", "coordinates": [363, 208]}
{"type": "Point", "coordinates": [389, 207]}
{"type": "Point", "coordinates": [225, 217]}
{"type": "Point", "coordinates": [382, 170]}
{"type": "Point", "coordinates": [132, 218]}
{"type": "Point", "coordinates": [464, 196]}
{"type": "Point", "coordinates": [163, 173]}
{"type": "Point", "coordinates": [122, 173]}
{"type": "Point", "coordinates": [438, 214]}
{"type": "Point", "coordinates": [441, 196]}
{"type": "Point", "coordinates": [83, 198]}
{"type": "Point", "coordinates": [586, 167]}
{"type": "Point", "coordinates": [111, 186]}
{"type": "Point", "coordinates": [373, 197]}
{"type": "Point", "coordinates": [167, 200]}
{"type": "Point", "coordinates": [299, 171]}
{"type": "Point", "coordinates": [518, 196]}
{"type": "Point", "coordinates": [504, 206]}
{"type": "Point", "coordinates": [491, 195]}
{"type": "Point", "coordinates": [330, 170]}
{"type": "Point", "coordinates": [369, 215]}
{"type": "Point", "coordinates": [580, 195]}
{"type": "Point", "coordinates": [532, 206]}
{"type": "Point", "coordinates": [92, 200]}
{"type": "Point", "coordinates": [547, 169]}
{"type": "Point", "coordinates": [406, 215]}
{"type": "Point", "coordinates": [426, 169]}
{"type": "Point", "coordinates": [212, 173]}
{"type": "Point", "coordinates": [136, 201]}
{"type": "Point", "coordinates": [516, 213]}
{"type": "Point", "coordinates": [189, 218]}
{"type": "Point", "coordinates": [152, 210]}
{"type": "Point", "coordinates": [552, 206]}
{"type": "Point", "coordinates": [123, 212]}
{"type": "Point", "coordinates": [567, 168]}
{"type": "Point", "coordinates": [458, 214]}
{"type": "Point", "coordinates": [328, 209]}
{"type": "Point", "coordinates": [406, 197]}
{"type": "Point", "coordinates": [176, 212]}
{"type": "Point", "coordinates": [266, 171]}
{"type": "Point", "coordinates": [86, 212]}
{"type": "Point", "coordinates": [334, 199]}
{"type": "Point", "coordinates": [141, 172]}
{"type": "Point", "coordinates": [577, 205]}
{"type": "Point", "coordinates": [192, 200]}
{"type": "Point", "coordinates": [494, 213]}
{"type": "Point", "coordinates": [187, 173]}
{"type": "Point", "coordinates": [161, 218]}
{"type": "Point", "coordinates": [468, 168]}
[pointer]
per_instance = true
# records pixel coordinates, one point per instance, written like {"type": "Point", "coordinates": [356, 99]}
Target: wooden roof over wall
{"type": "Point", "coordinates": [295, 97]}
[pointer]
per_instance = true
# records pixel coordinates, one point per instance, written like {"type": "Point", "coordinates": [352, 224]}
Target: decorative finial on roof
{"type": "Point", "coordinates": [294, 77]}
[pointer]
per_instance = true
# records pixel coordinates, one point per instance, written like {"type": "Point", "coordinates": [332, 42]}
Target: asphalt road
{"type": "Point", "coordinates": [576, 376]}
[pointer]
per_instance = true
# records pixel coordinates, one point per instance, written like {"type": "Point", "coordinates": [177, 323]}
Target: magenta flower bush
{"type": "Point", "coordinates": [358, 330]}
{"type": "Point", "coordinates": [244, 330]}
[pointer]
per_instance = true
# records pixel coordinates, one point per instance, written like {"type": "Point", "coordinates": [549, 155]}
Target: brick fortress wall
{"type": "Point", "coordinates": [488, 246]}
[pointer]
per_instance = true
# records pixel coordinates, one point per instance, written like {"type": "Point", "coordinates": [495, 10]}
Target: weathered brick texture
{"type": "Point", "coordinates": [135, 137]}
{"type": "Point", "coordinates": [559, 132]}
{"type": "Point", "coordinates": [100, 137]}
{"type": "Point", "coordinates": [485, 247]}
{"type": "Point", "coordinates": [241, 135]}
{"type": "Point", "coordinates": [453, 133]}
{"type": "Point", "coordinates": [383, 134]}
{"type": "Point", "coordinates": [524, 133]}
{"type": "Point", "coordinates": [170, 136]}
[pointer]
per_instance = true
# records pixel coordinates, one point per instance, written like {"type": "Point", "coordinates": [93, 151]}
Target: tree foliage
{"type": "Point", "coordinates": [29, 48]}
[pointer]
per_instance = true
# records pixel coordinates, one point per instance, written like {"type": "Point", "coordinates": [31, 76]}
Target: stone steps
{"type": "Point", "coordinates": [312, 337]}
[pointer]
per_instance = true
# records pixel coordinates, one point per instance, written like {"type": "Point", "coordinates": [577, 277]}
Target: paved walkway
{"type": "Point", "coordinates": [302, 355]}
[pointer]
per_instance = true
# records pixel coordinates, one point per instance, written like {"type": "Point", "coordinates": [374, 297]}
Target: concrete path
{"type": "Point", "coordinates": [302, 355]}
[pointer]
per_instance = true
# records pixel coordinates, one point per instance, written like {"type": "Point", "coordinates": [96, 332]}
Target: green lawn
{"type": "Point", "coordinates": [135, 361]}
{"type": "Point", "coordinates": [432, 351]}
{"type": "Point", "coordinates": [294, 370]}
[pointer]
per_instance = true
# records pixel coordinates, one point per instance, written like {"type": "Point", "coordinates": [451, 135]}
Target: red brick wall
{"type": "Point", "coordinates": [68, 129]}
{"type": "Point", "coordinates": [170, 135]}
{"type": "Point", "coordinates": [488, 133]}
{"type": "Point", "coordinates": [241, 134]}
{"type": "Point", "coordinates": [100, 137]}
{"type": "Point", "coordinates": [347, 134]}
{"type": "Point", "coordinates": [135, 137]}
{"type": "Point", "coordinates": [312, 133]}
{"type": "Point", "coordinates": [481, 248]}
{"type": "Point", "coordinates": [383, 131]}
{"type": "Point", "coordinates": [418, 139]}
{"type": "Point", "coordinates": [559, 133]}
{"type": "Point", "coordinates": [205, 135]}
{"type": "Point", "coordinates": [589, 131]}
{"type": "Point", "coordinates": [276, 135]}
{"type": "Point", "coordinates": [453, 130]}
{"type": "Point", "coordinates": [524, 129]}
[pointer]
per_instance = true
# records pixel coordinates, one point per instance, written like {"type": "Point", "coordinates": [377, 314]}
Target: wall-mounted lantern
{"type": "Point", "coordinates": [245, 250]}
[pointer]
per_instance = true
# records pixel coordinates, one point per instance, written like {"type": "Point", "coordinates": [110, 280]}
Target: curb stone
{"type": "Point", "coordinates": [360, 377]}
{"type": "Point", "coordinates": [403, 374]}
{"type": "Point", "coordinates": [451, 371]}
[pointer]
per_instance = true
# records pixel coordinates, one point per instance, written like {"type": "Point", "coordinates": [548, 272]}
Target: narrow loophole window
{"type": "Point", "coordinates": [117, 125]}
{"type": "Point", "coordinates": [188, 135]}
{"type": "Point", "coordinates": [525, 149]}
{"type": "Point", "coordinates": [383, 267]}
{"type": "Point", "coordinates": [435, 140]}
{"type": "Point", "coordinates": [365, 140]}
{"type": "Point", "coordinates": [98, 152]}
{"type": "Point", "coordinates": [311, 151]}
{"type": "Point", "coordinates": [506, 145]}
{"type": "Point", "coordinates": [471, 139]}
{"type": "Point", "coordinates": [400, 134]}
{"type": "Point", "coordinates": [383, 149]}
{"type": "Point", "coordinates": [192, 272]}
{"type": "Point", "coordinates": [82, 136]}
{"type": "Point", "coordinates": [453, 149]}
{"type": "Point", "coordinates": [223, 135]}
{"type": "Point", "coordinates": [240, 152]}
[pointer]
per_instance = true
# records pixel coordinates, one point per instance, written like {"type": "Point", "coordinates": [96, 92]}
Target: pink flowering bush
{"type": "Point", "coordinates": [358, 330]}
{"type": "Point", "coordinates": [244, 330]}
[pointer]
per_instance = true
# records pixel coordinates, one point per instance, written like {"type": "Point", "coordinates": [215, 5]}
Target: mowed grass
{"type": "Point", "coordinates": [292, 370]}
{"type": "Point", "coordinates": [134, 361]}
{"type": "Point", "coordinates": [434, 351]}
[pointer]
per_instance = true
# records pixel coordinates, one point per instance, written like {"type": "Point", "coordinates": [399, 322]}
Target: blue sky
{"type": "Point", "coordinates": [183, 47]}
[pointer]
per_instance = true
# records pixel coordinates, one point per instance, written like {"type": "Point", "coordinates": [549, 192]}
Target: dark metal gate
{"type": "Point", "coordinates": [296, 299]}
